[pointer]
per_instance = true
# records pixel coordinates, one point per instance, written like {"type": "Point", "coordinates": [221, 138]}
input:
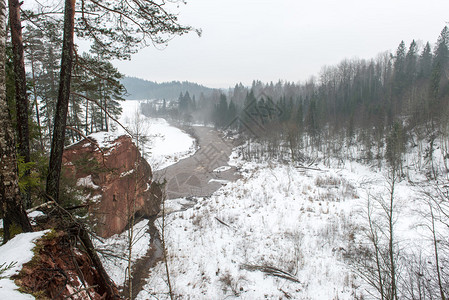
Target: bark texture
{"type": "Point", "coordinates": [20, 84]}
{"type": "Point", "coordinates": [15, 219]}
{"type": "Point", "coordinates": [60, 119]}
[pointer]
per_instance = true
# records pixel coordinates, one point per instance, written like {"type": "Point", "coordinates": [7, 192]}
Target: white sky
{"type": "Point", "coordinates": [283, 39]}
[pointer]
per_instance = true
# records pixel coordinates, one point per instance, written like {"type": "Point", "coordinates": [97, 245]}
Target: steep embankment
{"type": "Point", "coordinates": [116, 177]}
{"type": "Point", "coordinates": [198, 175]}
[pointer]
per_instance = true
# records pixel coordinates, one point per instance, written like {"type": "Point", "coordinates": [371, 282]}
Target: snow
{"type": "Point", "coordinates": [221, 181]}
{"type": "Point", "coordinates": [222, 169]}
{"type": "Point", "coordinates": [114, 250]}
{"type": "Point", "coordinates": [87, 182]}
{"type": "Point", "coordinates": [124, 174]}
{"type": "Point", "coordinates": [166, 144]}
{"type": "Point", "coordinates": [305, 222]}
{"type": "Point", "coordinates": [17, 251]}
{"type": "Point", "coordinates": [180, 204]}
{"type": "Point", "coordinates": [35, 214]}
{"type": "Point", "coordinates": [104, 139]}
{"type": "Point", "coordinates": [274, 217]}
{"type": "Point", "coordinates": [31, 215]}
{"type": "Point", "coordinates": [299, 220]}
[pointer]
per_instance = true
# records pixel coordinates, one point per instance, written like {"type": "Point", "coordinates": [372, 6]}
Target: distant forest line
{"type": "Point", "coordinates": [140, 89]}
{"type": "Point", "coordinates": [357, 101]}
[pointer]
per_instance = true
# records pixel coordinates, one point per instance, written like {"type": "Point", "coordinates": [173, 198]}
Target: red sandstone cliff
{"type": "Point", "coordinates": [118, 179]}
{"type": "Point", "coordinates": [59, 270]}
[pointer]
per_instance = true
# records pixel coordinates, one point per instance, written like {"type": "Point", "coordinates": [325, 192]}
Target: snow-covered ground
{"type": "Point", "coordinates": [284, 232]}
{"type": "Point", "coordinates": [279, 232]}
{"type": "Point", "coordinates": [276, 216]}
{"type": "Point", "coordinates": [114, 251]}
{"type": "Point", "coordinates": [160, 143]}
{"type": "Point", "coordinates": [165, 144]}
{"type": "Point", "coordinates": [15, 253]}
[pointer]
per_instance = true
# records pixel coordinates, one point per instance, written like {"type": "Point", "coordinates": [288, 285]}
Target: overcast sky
{"type": "Point", "coordinates": [289, 40]}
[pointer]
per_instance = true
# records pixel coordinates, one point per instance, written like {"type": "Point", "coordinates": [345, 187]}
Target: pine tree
{"type": "Point", "coordinates": [183, 104]}
{"type": "Point", "coordinates": [11, 207]}
{"type": "Point", "coordinates": [118, 29]}
{"type": "Point", "coordinates": [187, 101]}
{"type": "Point", "coordinates": [21, 96]}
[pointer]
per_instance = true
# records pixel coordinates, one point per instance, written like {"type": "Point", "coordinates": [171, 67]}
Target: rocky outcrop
{"type": "Point", "coordinates": [118, 180]}
{"type": "Point", "coordinates": [59, 270]}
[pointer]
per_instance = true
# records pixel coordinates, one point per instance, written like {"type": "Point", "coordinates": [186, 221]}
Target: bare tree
{"type": "Point", "coordinates": [438, 224]}
{"type": "Point", "coordinates": [436, 253]}
{"type": "Point", "coordinates": [373, 235]}
{"type": "Point", "coordinates": [164, 246]}
{"type": "Point", "coordinates": [377, 262]}
{"type": "Point", "coordinates": [389, 210]}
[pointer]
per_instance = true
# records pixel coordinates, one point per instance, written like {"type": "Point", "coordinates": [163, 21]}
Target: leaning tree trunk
{"type": "Point", "coordinates": [60, 119]}
{"type": "Point", "coordinates": [20, 84]}
{"type": "Point", "coordinates": [14, 216]}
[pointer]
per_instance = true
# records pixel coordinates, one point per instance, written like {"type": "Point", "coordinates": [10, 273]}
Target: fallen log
{"type": "Point", "coordinates": [271, 271]}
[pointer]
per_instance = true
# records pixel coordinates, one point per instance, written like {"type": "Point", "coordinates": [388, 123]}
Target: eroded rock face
{"type": "Point", "coordinates": [59, 271]}
{"type": "Point", "coordinates": [118, 179]}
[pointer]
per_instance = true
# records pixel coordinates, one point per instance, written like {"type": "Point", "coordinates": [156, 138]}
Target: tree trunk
{"type": "Point", "coordinates": [14, 217]}
{"type": "Point", "coordinates": [20, 84]}
{"type": "Point", "coordinates": [391, 242]}
{"type": "Point", "coordinates": [60, 120]}
{"type": "Point", "coordinates": [33, 74]}
{"type": "Point", "coordinates": [87, 118]}
{"type": "Point", "coordinates": [105, 280]}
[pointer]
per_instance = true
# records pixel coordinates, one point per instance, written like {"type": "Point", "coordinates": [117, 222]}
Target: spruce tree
{"type": "Point", "coordinates": [399, 69]}
{"type": "Point", "coordinates": [425, 62]}
{"type": "Point", "coordinates": [232, 114]}
{"type": "Point", "coordinates": [411, 60]}
{"type": "Point", "coordinates": [440, 62]}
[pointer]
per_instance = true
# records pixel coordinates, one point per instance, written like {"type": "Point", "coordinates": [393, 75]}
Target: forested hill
{"type": "Point", "coordinates": [140, 89]}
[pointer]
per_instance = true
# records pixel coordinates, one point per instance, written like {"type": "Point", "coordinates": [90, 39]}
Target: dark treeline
{"type": "Point", "coordinates": [140, 89]}
{"type": "Point", "coordinates": [357, 101]}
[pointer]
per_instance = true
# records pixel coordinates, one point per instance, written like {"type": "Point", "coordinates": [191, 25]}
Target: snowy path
{"type": "Point", "coordinates": [204, 172]}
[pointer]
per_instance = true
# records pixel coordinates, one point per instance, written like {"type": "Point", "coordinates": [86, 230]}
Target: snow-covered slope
{"type": "Point", "coordinates": [117, 245]}
{"type": "Point", "coordinates": [160, 143]}
{"type": "Point", "coordinates": [279, 217]}
{"type": "Point", "coordinates": [284, 232]}
{"type": "Point", "coordinates": [165, 144]}
{"type": "Point", "coordinates": [15, 253]}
